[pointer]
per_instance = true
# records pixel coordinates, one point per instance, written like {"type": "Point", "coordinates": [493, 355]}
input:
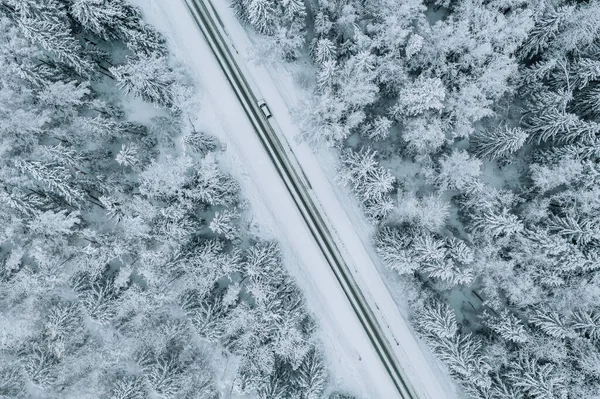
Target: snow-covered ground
{"type": "Point", "coordinates": [344, 217]}
{"type": "Point", "coordinates": [353, 362]}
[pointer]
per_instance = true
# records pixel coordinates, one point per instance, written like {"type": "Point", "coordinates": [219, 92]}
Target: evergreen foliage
{"type": "Point", "coordinates": [484, 118]}
{"type": "Point", "coordinates": [125, 266]}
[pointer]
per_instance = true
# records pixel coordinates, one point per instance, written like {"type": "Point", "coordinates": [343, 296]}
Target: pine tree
{"type": "Point", "coordinates": [584, 71]}
{"type": "Point", "coordinates": [588, 101]}
{"type": "Point", "coordinates": [148, 77]}
{"type": "Point", "coordinates": [507, 326]}
{"type": "Point", "coordinates": [461, 354]}
{"type": "Point", "coordinates": [459, 251]}
{"type": "Point", "coordinates": [552, 324]}
{"type": "Point", "coordinates": [392, 247]}
{"type": "Point", "coordinates": [437, 319]}
{"type": "Point", "coordinates": [141, 38]}
{"type": "Point", "coordinates": [449, 272]}
{"type": "Point", "coordinates": [66, 156]}
{"type": "Point", "coordinates": [562, 127]}
{"type": "Point", "coordinates": [56, 179]}
{"type": "Point", "coordinates": [579, 231]}
{"type": "Point", "coordinates": [100, 17]}
{"type": "Point", "coordinates": [379, 209]}
{"type": "Point", "coordinates": [200, 142]}
{"type": "Point", "coordinates": [380, 129]}
{"type": "Point", "coordinates": [127, 156]}
{"type": "Point", "coordinates": [428, 249]}
{"type": "Point", "coordinates": [458, 170]}
{"type": "Point", "coordinates": [324, 51]}
{"type": "Point", "coordinates": [545, 30]}
{"type": "Point", "coordinates": [312, 376]}
{"type": "Point", "coordinates": [498, 143]}
{"type": "Point", "coordinates": [583, 28]}
{"type": "Point", "coordinates": [55, 224]}
{"type": "Point", "coordinates": [212, 186]}
{"type": "Point", "coordinates": [496, 225]}
{"type": "Point", "coordinates": [537, 380]}
{"type": "Point", "coordinates": [129, 387]}
{"type": "Point", "coordinates": [56, 39]}
{"type": "Point", "coordinates": [326, 76]}
{"type": "Point", "coordinates": [65, 98]}
{"type": "Point", "coordinates": [224, 223]}
{"type": "Point", "coordinates": [414, 45]}
{"type": "Point", "coordinates": [261, 14]}
{"type": "Point", "coordinates": [587, 324]}
{"type": "Point", "coordinates": [275, 388]}
{"type": "Point", "coordinates": [361, 171]}
{"type": "Point", "coordinates": [430, 212]}
{"type": "Point", "coordinates": [425, 94]}
{"type": "Point", "coordinates": [165, 177]}
{"type": "Point", "coordinates": [424, 135]}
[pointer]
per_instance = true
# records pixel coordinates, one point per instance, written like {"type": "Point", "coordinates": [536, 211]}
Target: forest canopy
{"type": "Point", "coordinates": [469, 133]}
{"type": "Point", "coordinates": [127, 269]}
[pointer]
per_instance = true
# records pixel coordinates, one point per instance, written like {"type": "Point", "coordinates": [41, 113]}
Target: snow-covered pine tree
{"type": "Point", "coordinates": [462, 354]}
{"type": "Point", "coordinates": [100, 17]}
{"type": "Point", "coordinates": [458, 170]}
{"type": "Point", "coordinates": [437, 319]}
{"type": "Point", "coordinates": [496, 225]}
{"type": "Point", "coordinates": [546, 29]}
{"type": "Point", "coordinates": [200, 142]}
{"type": "Point", "coordinates": [148, 77]}
{"type": "Point", "coordinates": [380, 128]}
{"type": "Point", "coordinates": [537, 380]}
{"type": "Point", "coordinates": [211, 185]}
{"type": "Point", "coordinates": [392, 246]}
{"type": "Point", "coordinates": [552, 323]}
{"type": "Point", "coordinates": [312, 376]}
{"type": "Point", "coordinates": [587, 323]}
{"type": "Point", "coordinates": [56, 179]}
{"type": "Point", "coordinates": [424, 94]}
{"type": "Point", "coordinates": [224, 223]}
{"type": "Point", "coordinates": [506, 325]}
{"type": "Point", "coordinates": [371, 182]}
{"type": "Point", "coordinates": [499, 142]}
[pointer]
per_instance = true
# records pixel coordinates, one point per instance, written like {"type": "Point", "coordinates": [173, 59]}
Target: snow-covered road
{"type": "Point", "coordinates": [344, 219]}
{"type": "Point", "coordinates": [354, 363]}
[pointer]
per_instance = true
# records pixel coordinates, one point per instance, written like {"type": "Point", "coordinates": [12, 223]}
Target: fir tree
{"type": "Point", "coordinates": [537, 380]}
{"type": "Point", "coordinates": [437, 320]}
{"type": "Point", "coordinates": [508, 326]}
{"type": "Point", "coordinates": [498, 225]}
{"type": "Point", "coordinates": [100, 17]}
{"type": "Point", "coordinates": [552, 324]}
{"type": "Point", "coordinates": [148, 77]}
{"type": "Point", "coordinates": [499, 142]}
{"type": "Point", "coordinates": [311, 376]}
{"type": "Point", "coordinates": [393, 248]}
{"type": "Point", "coordinates": [587, 324]}
{"type": "Point", "coordinates": [458, 170]}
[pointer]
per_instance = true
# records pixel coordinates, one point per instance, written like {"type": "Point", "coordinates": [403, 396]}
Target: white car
{"type": "Point", "coordinates": [265, 109]}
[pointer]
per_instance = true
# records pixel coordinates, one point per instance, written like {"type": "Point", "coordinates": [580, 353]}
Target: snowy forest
{"type": "Point", "coordinates": [127, 269]}
{"type": "Point", "coordinates": [469, 132]}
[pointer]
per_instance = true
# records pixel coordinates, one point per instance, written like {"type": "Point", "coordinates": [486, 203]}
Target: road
{"type": "Point", "coordinates": [299, 189]}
